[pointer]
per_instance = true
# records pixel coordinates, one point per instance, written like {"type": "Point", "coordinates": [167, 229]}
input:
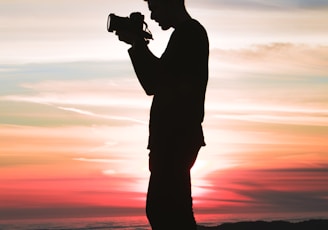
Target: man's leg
{"type": "Point", "coordinates": [169, 201]}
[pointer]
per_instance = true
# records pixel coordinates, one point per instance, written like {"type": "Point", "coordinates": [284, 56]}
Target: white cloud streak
{"type": "Point", "coordinates": [118, 118]}
{"type": "Point", "coordinates": [98, 160]}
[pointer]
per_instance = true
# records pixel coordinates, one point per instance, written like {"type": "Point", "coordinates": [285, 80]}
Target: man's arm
{"type": "Point", "coordinates": [146, 65]}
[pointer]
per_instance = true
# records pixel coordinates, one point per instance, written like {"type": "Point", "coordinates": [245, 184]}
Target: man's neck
{"type": "Point", "coordinates": [180, 17]}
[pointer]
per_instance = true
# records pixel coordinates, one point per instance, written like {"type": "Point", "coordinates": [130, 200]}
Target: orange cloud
{"type": "Point", "coordinates": [299, 189]}
{"type": "Point", "coordinates": [282, 58]}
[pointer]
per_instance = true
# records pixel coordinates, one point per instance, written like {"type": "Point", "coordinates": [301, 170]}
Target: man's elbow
{"type": "Point", "coordinates": [149, 89]}
{"type": "Point", "coordinates": [149, 92]}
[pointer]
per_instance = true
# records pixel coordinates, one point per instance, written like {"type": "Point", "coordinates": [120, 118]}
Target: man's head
{"type": "Point", "coordinates": [166, 12]}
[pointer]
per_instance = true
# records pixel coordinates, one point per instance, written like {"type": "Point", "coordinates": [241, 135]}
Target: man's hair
{"type": "Point", "coordinates": [180, 1]}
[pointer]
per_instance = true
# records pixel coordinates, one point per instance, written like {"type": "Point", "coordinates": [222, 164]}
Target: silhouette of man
{"type": "Point", "coordinates": [177, 81]}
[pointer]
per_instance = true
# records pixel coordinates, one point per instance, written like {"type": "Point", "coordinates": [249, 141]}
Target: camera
{"type": "Point", "coordinates": [135, 23]}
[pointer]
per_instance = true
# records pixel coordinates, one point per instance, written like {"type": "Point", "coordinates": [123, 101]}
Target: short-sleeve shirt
{"type": "Point", "coordinates": [177, 110]}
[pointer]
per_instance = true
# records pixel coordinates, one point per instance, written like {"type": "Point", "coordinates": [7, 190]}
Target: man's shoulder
{"type": "Point", "coordinates": [191, 25]}
{"type": "Point", "coordinates": [189, 38]}
{"type": "Point", "coordinates": [191, 30]}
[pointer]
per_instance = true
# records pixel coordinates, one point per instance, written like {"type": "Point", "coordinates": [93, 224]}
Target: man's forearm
{"type": "Point", "coordinates": [145, 66]}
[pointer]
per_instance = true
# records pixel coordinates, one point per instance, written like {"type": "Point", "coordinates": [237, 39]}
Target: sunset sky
{"type": "Point", "coordinates": [74, 120]}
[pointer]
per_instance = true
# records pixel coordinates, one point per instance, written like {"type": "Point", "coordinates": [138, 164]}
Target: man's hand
{"type": "Point", "coordinates": [127, 36]}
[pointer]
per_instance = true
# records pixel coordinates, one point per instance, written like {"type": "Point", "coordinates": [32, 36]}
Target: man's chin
{"type": "Point", "coordinates": [165, 27]}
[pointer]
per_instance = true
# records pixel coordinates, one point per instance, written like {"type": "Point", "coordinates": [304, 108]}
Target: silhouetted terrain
{"type": "Point", "coordinates": [274, 225]}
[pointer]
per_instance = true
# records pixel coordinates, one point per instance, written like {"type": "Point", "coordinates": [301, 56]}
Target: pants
{"type": "Point", "coordinates": [169, 200]}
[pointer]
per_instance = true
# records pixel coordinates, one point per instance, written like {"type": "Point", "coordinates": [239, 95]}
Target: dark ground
{"type": "Point", "coordinates": [274, 225]}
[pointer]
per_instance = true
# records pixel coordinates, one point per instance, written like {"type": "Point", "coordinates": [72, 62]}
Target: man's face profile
{"type": "Point", "coordinates": [160, 12]}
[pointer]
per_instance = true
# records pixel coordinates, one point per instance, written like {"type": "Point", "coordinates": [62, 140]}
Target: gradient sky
{"type": "Point", "coordinates": [73, 119]}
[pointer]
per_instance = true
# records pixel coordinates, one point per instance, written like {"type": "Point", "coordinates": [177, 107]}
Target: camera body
{"type": "Point", "coordinates": [135, 23]}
